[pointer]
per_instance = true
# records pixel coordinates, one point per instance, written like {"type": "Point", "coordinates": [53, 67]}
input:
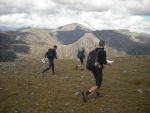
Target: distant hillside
{"type": "Point", "coordinates": [124, 40]}
{"type": "Point", "coordinates": [9, 47]}
{"type": "Point", "coordinates": [7, 28]}
{"type": "Point", "coordinates": [32, 43]}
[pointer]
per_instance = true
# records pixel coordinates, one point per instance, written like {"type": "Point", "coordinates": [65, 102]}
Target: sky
{"type": "Point", "coordinates": [95, 14]}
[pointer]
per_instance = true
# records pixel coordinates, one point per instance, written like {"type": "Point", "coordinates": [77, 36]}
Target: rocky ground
{"type": "Point", "coordinates": [125, 88]}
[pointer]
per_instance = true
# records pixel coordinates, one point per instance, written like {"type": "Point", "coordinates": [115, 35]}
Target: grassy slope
{"type": "Point", "coordinates": [22, 88]}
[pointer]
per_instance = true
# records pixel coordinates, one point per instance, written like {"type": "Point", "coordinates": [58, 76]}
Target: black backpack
{"type": "Point", "coordinates": [92, 60]}
{"type": "Point", "coordinates": [50, 54]}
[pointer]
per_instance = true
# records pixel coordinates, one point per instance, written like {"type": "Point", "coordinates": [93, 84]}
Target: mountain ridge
{"type": "Point", "coordinates": [118, 42]}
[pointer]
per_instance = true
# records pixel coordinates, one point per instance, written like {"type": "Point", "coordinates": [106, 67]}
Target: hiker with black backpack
{"type": "Point", "coordinates": [81, 57]}
{"type": "Point", "coordinates": [51, 55]}
{"type": "Point", "coordinates": [95, 63]}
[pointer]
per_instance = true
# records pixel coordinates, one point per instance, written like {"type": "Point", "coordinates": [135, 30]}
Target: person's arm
{"type": "Point", "coordinates": [106, 62]}
{"type": "Point", "coordinates": [55, 54]}
{"type": "Point", "coordinates": [109, 62]}
{"type": "Point", "coordinates": [45, 54]}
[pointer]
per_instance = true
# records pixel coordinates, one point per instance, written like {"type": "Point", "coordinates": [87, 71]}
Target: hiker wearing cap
{"type": "Point", "coordinates": [51, 55]}
{"type": "Point", "coordinates": [95, 63]}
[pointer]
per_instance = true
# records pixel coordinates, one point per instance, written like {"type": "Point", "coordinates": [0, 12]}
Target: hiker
{"type": "Point", "coordinates": [51, 55]}
{"type": "Point", "coordinates": [81, 57]}
{"type": "Point", "coordinates": [95, 61]}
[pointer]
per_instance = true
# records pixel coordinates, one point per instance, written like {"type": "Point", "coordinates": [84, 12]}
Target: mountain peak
{"type": "Point", "coordinates": [73, 26]}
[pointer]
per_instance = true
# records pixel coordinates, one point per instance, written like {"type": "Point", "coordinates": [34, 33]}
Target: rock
{"type": "Point", "coordinates": [77, 87]}
{"type": "Point", "coordinates": [71, 111]}
{"type": "Point", "coordinates": [146, 91]}
{"type": "Point", "coordinates": [67, 104]}
{"type": "Point", "coordinates": [101, 109]}
{"type": "Point", "coordinates": [92, 79]}
{"type": "Point", "coordinates": [82, 76]}
{"type": "Point", "coordinates": [143, 91]}
{"type": "Point", "coordinates": [65, 78]}
{"type": "Point", "coordinates": [4, 72]}
{"type": "Point", "coordinates": [16, 111]}
{"type": "Point", "coordinates": [139, 90]}
{"type": "Point", "coordinates": [125, 71]}
{"type": "Point", "coordinates": [118, 78]}
{"type": "Point", "coordinates": [14, 65]}
{"type": "Point", "coordinates": [76, 93]}
{"type": "Point", "coordinates": [37, 104]}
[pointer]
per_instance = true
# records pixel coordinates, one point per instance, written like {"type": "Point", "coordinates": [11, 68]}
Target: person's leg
{"type": "Point", "coordinates": [98, 79]}
{"type": "Point", "coordinates": [93, 88]}
{"type": "Point", "coordinates": [53, 66]}
{"type": "Point", "coordinates": [47, 68]}
{"type": "Point", "coordinates": [79, 65]}
{"type": "Point", "coordinates": [96, 76]}
{"type": "Point", "coordinates": [81, 60]}
{"type": "Point", "coordinates": [99, 82]}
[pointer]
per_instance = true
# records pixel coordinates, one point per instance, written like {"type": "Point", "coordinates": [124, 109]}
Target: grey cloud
{"type": "Point", "coordinates": [142, 12]}
{"type": "Point", "coordinates": [28, 7]}
{"type": "Point", "coordinates": [138, 7]}
{"type": "Point", "coordinates": [80, 6]}
{"type": "Point", "coordinates": [6, 8]}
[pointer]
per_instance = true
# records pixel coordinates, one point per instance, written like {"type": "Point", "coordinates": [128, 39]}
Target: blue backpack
{"type": "Point", "coordinates": [80, 54]}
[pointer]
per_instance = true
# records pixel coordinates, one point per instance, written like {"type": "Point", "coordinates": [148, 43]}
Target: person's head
{"type": "Point", "coordinates": [101, 43]}
{"type": "Point", "coordinates": [55, 46]}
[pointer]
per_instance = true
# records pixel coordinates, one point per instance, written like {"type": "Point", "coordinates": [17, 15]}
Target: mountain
{"type": "Point", "coordinates": [7, 28]}
{"type": "Point", "coordinates": [72, 26]}
{"type": "Point", "coordinates": [32, 43]}
{"type": "Point", "coordinates": [69, 33]}
{"type": "Point", "coordinates": [9, 47]}
{"type": "Point", "coordinates": [124, 40]}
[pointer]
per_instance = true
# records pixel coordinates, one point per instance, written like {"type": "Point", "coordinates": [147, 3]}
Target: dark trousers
{"type": "Point", "coordinates": [81, 60]}
{"type": "Point", "coordinates": [51, 65]}
{"type": "Point", "coordinates": [98, 77]}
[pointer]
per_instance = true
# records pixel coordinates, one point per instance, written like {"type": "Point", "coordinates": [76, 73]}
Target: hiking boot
{"type": "Point", "coordinates": [98, 94]}
{"type": "Point", "coordinates": [81, 69]}
{"type": "Point", "coordinates": [54, 73]}
{"type": "Point", "coordinates": [85, 95]}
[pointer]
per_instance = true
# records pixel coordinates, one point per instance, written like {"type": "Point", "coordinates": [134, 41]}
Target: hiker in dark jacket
{"type": "Point", "coordinates": [51, 55]}
{"type": "Point", "coordinates": [81, 57]}
{"type": "Point", "coordinates": [97, 71]}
